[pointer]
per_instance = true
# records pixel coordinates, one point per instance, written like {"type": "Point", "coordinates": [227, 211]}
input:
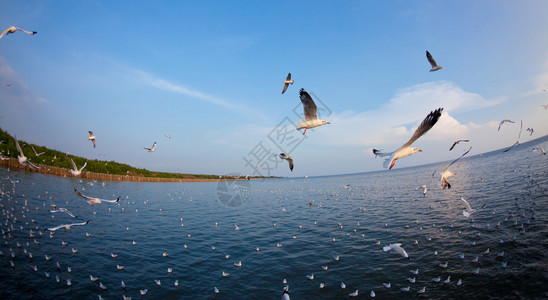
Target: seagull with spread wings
{"type": "Point", "coordinates": [432, 62]}
{"type": "Point", "coordinates": [67, 226]}
{"type": "Point", "coordinates": [151, 149]}
{"type": "Point", "coordinates": [12, 29]}
{"type": "Point", "coordinates": [93, 200]}
{"type": "Point", "coordinates": [310, 119]}
{"type": "Point", "coordinates": [504, 121]}
{"type": "Point", "coordinates": [287, 82]}
{"type": "Point", "coordinates": [406, 149]}
{"type": "Point", "coordinates": [75, 171]}
{"type": "Point", "coordinates": [91, 138]}
{"type": "Point", "coordinates": [36, 153]}
{"type": "Point", "coordinates": [446, 173]}
{"type": "Point", "coordinates": [22, 158]}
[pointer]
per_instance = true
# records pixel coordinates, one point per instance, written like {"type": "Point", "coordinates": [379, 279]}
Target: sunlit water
{"type": "Point", "coordinates": [509, 191]}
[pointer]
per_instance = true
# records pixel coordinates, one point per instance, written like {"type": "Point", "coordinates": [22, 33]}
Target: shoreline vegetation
{"type": "Point", "coordinates": [57, 163]}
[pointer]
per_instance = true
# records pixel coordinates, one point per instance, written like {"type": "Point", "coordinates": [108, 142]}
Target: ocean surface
{"type": "Point", "coordinates": [298, 225]}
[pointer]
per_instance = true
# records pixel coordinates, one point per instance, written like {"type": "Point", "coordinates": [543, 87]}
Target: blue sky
{"type": "Point", "coordinates": [209, 74]}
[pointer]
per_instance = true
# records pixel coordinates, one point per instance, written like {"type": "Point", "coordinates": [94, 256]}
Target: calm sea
{"type": "Point", "coordinates": [350, 216]}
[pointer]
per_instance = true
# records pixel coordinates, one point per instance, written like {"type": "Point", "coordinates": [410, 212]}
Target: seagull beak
{"type": "Point", "coordinates": [327, 123]}
{"type": "Point", "coordinates": [420, 150]}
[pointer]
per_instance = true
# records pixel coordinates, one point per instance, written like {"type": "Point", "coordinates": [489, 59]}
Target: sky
{"type": "Point", "coordinates": [209, 74]}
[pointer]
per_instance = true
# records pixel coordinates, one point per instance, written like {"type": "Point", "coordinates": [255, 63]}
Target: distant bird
{"type": "Point", "coordinates": [151, 149]}
{"type": "Point", "coordinates": [36, 153]}
{"type": "Point", "coordinates": [354, 294]}
{"type": "Point", "coordinates": [93, 200]}
{"type": "Point", "coordinates": [75, 171]}
{"type": "Point", "coordinates": [396, 247]}
{"type": "Point", "coordinates": [12, 29]}
{"type": "Point", "coordinates": [289, 160]}
{"type": "Point", "coordinates": [458, 142]}
{"type": "Point", "coordinates": [432, 62]}
{"type": "Point", "coordinates": [540, 149]}
{"type": "Point", "coordinates": [310, 119]}
{"type": "Point", "coordinates": [91, 138]}
{"type": "Point", "coordinates": [343, 286]}
{"type": "Point", "coordinates": [519, 136]}
{"type": "Point", "coordinates": [545, 106]}
{"type": "Point", "coordinates": [67, 226]}
{"type": "Point", "coordinates": [530, 131]}
{"type": "Point", "coordinates": [287, 82]}
{"type": "Point", "coordinates": [310, 277]}
{"type": "Point", "coordinates": [406, 150]}
{"type": "Point", "coordinates": [504, 121]}
{"type": "Point", "coordinates": [423, 189]}
{"type": "Point", "coordinates": [468, 210]}
{"type": "Point", "coordinates": [167, 136]}
{"type": "Point", "coordinates": [446, 173]}
{"type": "Point", "coordinates": [216, 290]}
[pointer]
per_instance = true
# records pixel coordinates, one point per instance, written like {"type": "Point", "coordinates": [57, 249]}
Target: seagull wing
{"type": "Point", "coordinates": [81, 195]}
{"type": "Point", "coordinates": [431, 60]}
{"type": "Point", "coordinates": [85, 163]}
{"type": "Point", "coordinates": [90, 133]}
{"type": "Point", "coordinates": [426, 125]}
{"type": "Point", "coordinates": [73, 164]}
{"type": "Point", "coordinates": [33, 165]}
{"type": "Point", "coordinates": [378, 152]}
{"type": "Point", "coordinates": [17, 146]}
{"type": "Point", "coordinates": [285, 87]}
{"type": "Point", "coordinates": [5, 31]}
{"type": "Point", "coordinates": [288, 76]}
{"type": "Point", "coordinates": [55, 228]}
{"type": "Point", "coordinates": [27, 32]}
{"type": "Point", "coordinates": [93, 141]}
{"type": "Point", "coordinates": [70, 214]}
{"type": "Point", "coordinates": [453, 146]}
{"type": "Point", "coordinates": [310, 107]}
{"type": "Point", "coordinates": [290, 161]}
{"type": "Point", "coordinates": [79, 224]}
{"type": "Point", "coordinates": [517, 142]}
{"type": "Point", "coordinates": [468, 208]}
{"type": "Point", "coordinates": [446, 169]}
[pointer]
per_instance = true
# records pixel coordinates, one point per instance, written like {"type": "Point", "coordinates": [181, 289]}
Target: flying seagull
{"type": "Point", "coordinates": [545, 106]}
{"type": "Point", "coordinates": [22, 158]}
{"type": "Point", "coordinates": [75, 171]}
{"type": "Point", "coordinates": [406, 150]}
{"type": "Point", "coordinates": [432, 62]}
{"type": "Point", "coordinates": [458, 142]}
{"type": "Point", "coordinates": [151, 149]}
{"type": "Point", "coordinates": [289, 160]}
{"type": "Point", "coordinates": [167, 136]}
{"type": "Point", "coordinates": [397, 248]}
{"type": "Point", "coordinates": [91, 138]}
{"type": "Point", "coordinates": [287, 82]}
{"type": "Point", "coordinates": [446, 173]}
{"type": "Point", "coordinates": [63, 210]}
{"type": "Point", "coordinates": [310, 119]}
{"type": "Point", "coordinates": [36, 153]}
{"type": "Point", "coordinates": [93, 200]}
{"type": "Point", "coordinates": [530, 130]}
{"type": "Point", "coordinates": [66, 226]}
{"type": "Point", "coordinates": [517, 142]}
{"type": "Point", "coordinates": [540, 149]}
{"type": "Point", "coordinates": [504, 121]}
{"type": "Point", "coordinates": [12, 29]}
{"type": "Point", "coordinates": [468, 210]}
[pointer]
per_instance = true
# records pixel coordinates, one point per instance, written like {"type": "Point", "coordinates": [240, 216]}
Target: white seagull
{"type": "Point", "coordinates": [396, 247]}
{"type": "Point", "coordinates": [21, 157]}
{"type": "Point", "coordinates": [458, 142]}
{"type": "Point", "coordinates": [12, 29]}
{"type": "Point", "coordinates": [92, 200]}
{"type": "Point", "coordinates": [446, 173]}
{"type": "Point", "coordinates": [67, 226]}
{"type": "Point", "coordinates": [423, 189]}
{"type": "Point", "coordinates": [468, 210]}
{"type": "Point", "coordinates": [406, 150]}
{"type": "Point", "coordinates": [151, 149]}
{"type": "Point", "coordinates": [432, 62]}
{"type": "Point", "coordinates": [36, 153]}
{"type": "Point", "coordinates": [517, 142]}
{"type": "Point", "coordinates": [75, 171]}
{"type": "Point", "coordinates": [540, 149]}
{"type": "Point", "coordinates": [63, 210]}
{"type": "Point", "coordinates": [310, 119]}
{"type": "Point", "coordinates": [287, 82]}
{"type": "Point", "coordinates": [289, 160]}
{"type": "Point", "coordinates": [91, 138]}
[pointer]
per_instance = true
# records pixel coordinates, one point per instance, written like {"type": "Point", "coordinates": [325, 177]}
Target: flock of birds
{"type": "Point", "coordinates": [13, 219]}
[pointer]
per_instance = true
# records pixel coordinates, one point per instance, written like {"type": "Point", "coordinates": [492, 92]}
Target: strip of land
{"type": "Point", "coordinates": [13, 163]}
